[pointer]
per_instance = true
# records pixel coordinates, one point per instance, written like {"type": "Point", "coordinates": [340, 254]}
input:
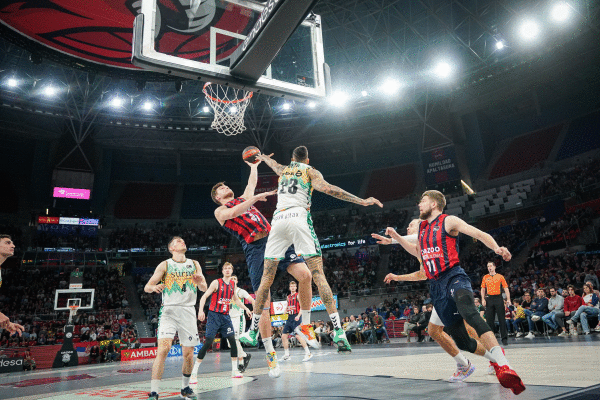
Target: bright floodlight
{"type": "Point", "coordinates": [561, 12]}
{"type": "Point", "coordinates": [364, 93]}
{"type": "Point", "coordinates": [338, 99]}
{"type": "Point", "coordinates": [12, 82]}
{"type": "Point", "coordinates": [286, 106]}
{"type": "Point", "coordinates": [529, 30]}
{"type": "Point", "coordinates": [148, 105]}
{"type": "Point", "coordinates": [50, 91]}
{"type": "Point", "coordinates": [499, 45]}
{"type": "Point", "coordinates": [116, 102]}
{"type": "Point", "coordinates": [233, 109]}
{"type": "Point", "coordinates": [205, 109]}
{"type": "Point", "coordinates": [443, 70]}
{"type": "Point", "coordinates": [312, 104]}
{"type": "Point", "coordinates": [390, 86]}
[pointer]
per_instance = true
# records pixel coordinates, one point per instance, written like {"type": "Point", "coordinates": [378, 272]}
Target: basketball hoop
{"type": "Point", "coordinates": [229, 105]}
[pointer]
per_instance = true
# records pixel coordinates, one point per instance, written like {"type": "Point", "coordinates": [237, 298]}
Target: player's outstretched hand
{"type": "Point", "coordinates": [4, 321]}
{"type": "Point", "coordinates": [251, 165]}
{"type": "Point", "coordinates": [15, 328]}
{"type": "Point", "coordinates": [201, 315]}
{"type": "Point", "coordinates": [263, 196]}
{"type": "Point", "coordinates": [158, 288]}
{"type": "Point", "coordinates": [503, 251]}
{"type": "Point", "coordinates": [390, 231]}
{"type": "Point", "coordinates": [372, 201]}
{"type": "Point", "coordinates": [381, 239]}
{"type": "Point", "coordinates": [264, 157]}
{"type": "Point", "coordinates": [390, 277]}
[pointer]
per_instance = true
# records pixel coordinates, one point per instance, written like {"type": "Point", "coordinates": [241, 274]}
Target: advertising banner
{"type": "Point", "coordinates": [11, 365]}
{"type": "Point", "coordinates": [278, 307]}
{"type": "Point", "coordinates": [138, 354]}
{"type": "Point", "coordinates": [71, 193]}
{"type": "Point", "coordinates": [68, 221]}
{"type": "Point", "coordinates": [47, 220]}
{"type": "Point", "coordinates": [317, 303]}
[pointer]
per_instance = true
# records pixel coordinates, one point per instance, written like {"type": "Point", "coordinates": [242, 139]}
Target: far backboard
{"type": "Point", "coordinates": [196, 39]}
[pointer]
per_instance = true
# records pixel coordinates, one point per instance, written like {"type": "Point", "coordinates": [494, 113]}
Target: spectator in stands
{"type": "Point", "coordinates": [366, 331]}
{"type": "Point", "coordinates": [508, 317]}
{"type": "Point", "coordinates": [555, 317]}
{"type": "Point", "coordinates": [380, 327]}
{"type": "Point", "coordinates": [322, 334]}
{"type": "Point", "coordinates": [412, 322]}
{"type": "Point", "coordinates": [480, 307]}
{"type": "Point", "coordinates": [352, 329]}
{"type": "Point", "coordinates": [29, 363]}
{"type": "Point", "coordinates": [421, 325]}
{"type": "Point", "coordinates": [539, 308]}
{"type": "Point", "coordinates": [571, 305]}
{"type": "Point", "coordinates": [518, 316]}
{"type": "Point", "coordinates": [590, 308]}
{"type": "Point", "coordinates": [94, 354]}
{"type": "Point", "coordinates": [592, 278]}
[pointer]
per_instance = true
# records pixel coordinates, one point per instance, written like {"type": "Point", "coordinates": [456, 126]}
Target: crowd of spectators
{"type": "Point", "coordinates": [159, 235]}
{"type": "Point", "coordinates": [356, 224]}
{"type": "Point", "coordinates": [575, 179]}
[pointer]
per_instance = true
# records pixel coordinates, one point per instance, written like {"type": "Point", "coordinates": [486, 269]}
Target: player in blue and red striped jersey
{"type": "Point", "coordinates": [218, 321]}
{"type": "Point", "coordinates": [292, 325]}
{"type": "Point", "coordinates": [239, 217]}
{"type": "Point", "coordinates": [449, 286]}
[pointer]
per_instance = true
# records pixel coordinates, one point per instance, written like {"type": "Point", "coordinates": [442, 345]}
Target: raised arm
{"type": "Point", "coordinates": [224, 213]}
{"type": "Point", "coordinates": [252, 180]}
{"type": "Point", "coordinates": [320, 184]}
{"type": "Point", "coordinates": [408, 245]}
{"type": "Point", "coordinates": [274, 165]}
{"type": "Point", "coordinates": [152, 285]}
{"type": "Point", "coordinates": [455, 225]}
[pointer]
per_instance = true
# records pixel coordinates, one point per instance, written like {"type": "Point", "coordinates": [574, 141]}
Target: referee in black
{"type": "Point", "coordinates": [491, 298]}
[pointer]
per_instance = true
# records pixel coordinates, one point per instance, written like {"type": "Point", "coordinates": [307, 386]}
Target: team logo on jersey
{"type": "Point", "coordinates": [435, 229]}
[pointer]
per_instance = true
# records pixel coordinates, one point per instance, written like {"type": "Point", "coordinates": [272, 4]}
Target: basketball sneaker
{"type": "Point", "coordinates": [249, 338]}
{"type": "Point", "coordinates": [340, 339]}
{"type": "Point", "coordinates": [188, 393]}
{"type": "Point", "coordinates": [307, 357]}
{"type": "Point", "coordinates": [153, 396]}
{"type": "Point", "coordinates": [274, 370]}
{"type": "Point", "coordinates": [243, 367]}
{"type": "Point", "coordinates": [286, 357]}
{"type": "Point", "coordinates": [462, 372]}
{"type": "Point", "coordinates": [311, 339]}
{"type": "Point", "coordinates": [509, 378]}
{"type": "Point", "coordinates": [236, 374]}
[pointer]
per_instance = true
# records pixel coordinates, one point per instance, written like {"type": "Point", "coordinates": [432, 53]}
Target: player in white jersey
{"type": "Point", "coordinates": [178, 279]}
{"type": "Point", "coordinates": [464, 368]}
{"type": "Point", "coordinates": [292, 224]}
{"type": "Point", "coordinates": [239, 322]}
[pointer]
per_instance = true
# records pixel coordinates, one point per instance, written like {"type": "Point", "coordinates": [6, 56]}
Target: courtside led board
{"type": "Point", "coordinates": [198, 39]}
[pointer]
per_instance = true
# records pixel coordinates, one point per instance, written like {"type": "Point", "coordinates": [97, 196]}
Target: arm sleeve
{"type": "Point", "coordinates": [503, 282]}
{"type": "Point", "coordinates": [483, 286]}
{"type": "Point", "coordinates": [242, 294]}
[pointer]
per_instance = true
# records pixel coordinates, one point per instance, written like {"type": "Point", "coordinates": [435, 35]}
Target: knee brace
{"type": "Point", "coordinates": [232, 346]}
{"type": "Point", "coordinates": [461, 337]}
{"type": "Point", "coordinates": [465, 302]}
{"type": "Point", "coordinates": [207, 344]}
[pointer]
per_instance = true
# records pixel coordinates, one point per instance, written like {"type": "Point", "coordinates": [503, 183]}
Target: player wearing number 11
{"type": "Point", "coordinates": [292, 224]}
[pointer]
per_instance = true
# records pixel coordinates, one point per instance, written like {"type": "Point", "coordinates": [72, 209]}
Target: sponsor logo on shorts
{"type": "Point", "coordinates": [286, 216]}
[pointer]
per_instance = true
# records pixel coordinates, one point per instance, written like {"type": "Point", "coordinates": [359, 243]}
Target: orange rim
{"type": "Point", "coordinates": [248, 96]}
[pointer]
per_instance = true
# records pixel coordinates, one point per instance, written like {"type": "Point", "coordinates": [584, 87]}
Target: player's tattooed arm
{"type": "Point", "coordinates": [275, 166]}
{"type": "Point", "coordinates": [266, 281]}
{"type": "Point", "coordinates": [321, 185]}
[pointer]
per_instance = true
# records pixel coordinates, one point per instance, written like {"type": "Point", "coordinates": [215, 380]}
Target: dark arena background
{"type": "Point", "coordinates": [495, 103]}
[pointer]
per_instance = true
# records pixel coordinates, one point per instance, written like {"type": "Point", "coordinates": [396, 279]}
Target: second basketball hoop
{"type": "Point", "coordinates": [229, 105]}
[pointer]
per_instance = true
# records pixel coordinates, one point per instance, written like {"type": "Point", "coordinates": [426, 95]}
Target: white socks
{"type": "Point", "coordinates": [305, 317]}
{"type": "Point", "coordinates": [185, 381]}
{"type": "Point", "coordinates": [234, 366]}
{"type": "Point", "coordinates": [254, 323]}
{"type": "Point", "coordinates": [196, 366]}
{"type": "Point", "coordinates": [489, 356]}
{"type": "Point", "coordinates": [240, 349]}
{"type": "Point", "coordinates": [268, 345]}
{"type": "Point", "coordinates": [335, 318]}
{"type": "Point", "coordinates": [154, 383]}
{"type": "Point", "coordinates": [461, 360]}
{"type": "Point", "coordinates": [499, 356]}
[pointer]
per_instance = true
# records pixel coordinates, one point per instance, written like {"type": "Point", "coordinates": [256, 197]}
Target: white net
{"type": "Point", "coordinates": [229, 105]}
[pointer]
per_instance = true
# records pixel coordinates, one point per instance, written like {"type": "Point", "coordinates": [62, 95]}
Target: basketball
{"type": "Point", "coordinates": [249, 154]}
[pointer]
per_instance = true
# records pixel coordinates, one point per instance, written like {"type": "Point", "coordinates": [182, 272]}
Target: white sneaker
{"type": "Point", "coordinates": [563, 334]}
{"type": "Point", "coordinates": [574, 332]}
{"type": "Point", "coordinates": [519, 334]}
{"type": "Point", "coordinates": [570, 322]}
{"type": "Point", "coordinates": [462, 372]}
{"type": "Point", "coordinates": [530, 335]}
{"type": "Point", "coordinates": [535, 318]}
{"type": "Point", "coordinates": [236, 374]}
{"type": "Point", "coordinates": [597, 328]}
{"type": "Point", "coordinates": [307, 357]}
{"type": "Point", "coordinates": [286, 357]}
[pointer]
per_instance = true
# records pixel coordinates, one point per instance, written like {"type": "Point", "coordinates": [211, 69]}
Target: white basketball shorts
{"type": "Point", "coordinates": [180, 319]}
{"type": "Point", "coordinates": [292, 227]}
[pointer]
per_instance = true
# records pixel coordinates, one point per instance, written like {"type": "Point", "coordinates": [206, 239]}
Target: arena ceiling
{"type": "Point", "coordinates": [366, 41]}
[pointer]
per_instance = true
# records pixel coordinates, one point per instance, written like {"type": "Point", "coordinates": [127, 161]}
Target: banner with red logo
{"type": "Point", "coordinates": [138, 354]}
{"type": "Point", "coordinates": [278, 307]}
{"type": "Point", "coordinates": [440, 166]}
{"type": "Point", "coordinates": [48, 220]}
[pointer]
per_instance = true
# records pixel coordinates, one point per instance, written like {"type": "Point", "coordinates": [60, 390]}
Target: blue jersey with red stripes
{"type": "Point", "coordinates": [439, 250]}
{"type": "Point", "coordinates": [221, 298]}
{"type": "Point", "coordinates": [293, 305]}
{"type": "Point", "coordinates": [246, 226]}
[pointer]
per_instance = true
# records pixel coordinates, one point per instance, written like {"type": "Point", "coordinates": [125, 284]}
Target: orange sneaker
{"type": "Point", "coordinates": [509, 378]}
{"type": "Point", "coordinates": [311, 338]}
